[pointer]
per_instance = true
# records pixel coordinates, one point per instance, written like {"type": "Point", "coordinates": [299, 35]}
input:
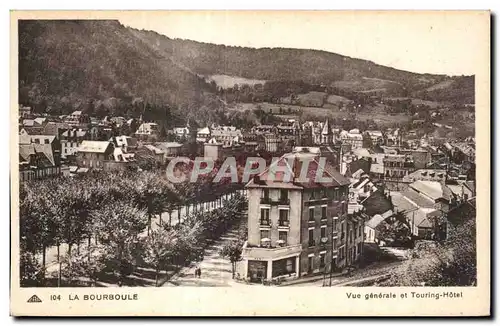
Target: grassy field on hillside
{"type": "Point", "coordinates": [226, 81]}
{"type": "Point", "coordinates": [376, 114]}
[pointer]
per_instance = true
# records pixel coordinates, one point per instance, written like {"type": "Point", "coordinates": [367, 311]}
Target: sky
{"type": "Point", "coordinates": [438, 42]}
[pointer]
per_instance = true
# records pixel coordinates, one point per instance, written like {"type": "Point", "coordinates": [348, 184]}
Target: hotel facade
{"type": "Point", "coordinates": [295, 228]}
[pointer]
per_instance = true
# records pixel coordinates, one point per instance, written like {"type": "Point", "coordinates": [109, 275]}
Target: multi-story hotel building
{"type": "Point", "coordinates": [295, 226]}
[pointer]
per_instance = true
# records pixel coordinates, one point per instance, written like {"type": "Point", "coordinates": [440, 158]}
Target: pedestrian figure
{"type": "Point", "coordinates": [196, 272]}
{"type": "Point", "coordinates": [199, 272]}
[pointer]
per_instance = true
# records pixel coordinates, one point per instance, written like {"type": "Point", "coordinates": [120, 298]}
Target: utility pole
{"type": "Point", "coordinates": [331, 262]}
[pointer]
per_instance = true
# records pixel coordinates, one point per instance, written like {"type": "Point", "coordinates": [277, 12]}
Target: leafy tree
{"type": "Point", "coordinates": [149, 195]}
{"type": "Point", "coordinates": [118, 227]}
{"type": "Point", "coordinates": [90, 264]}
{"type": "Point", "coordinates": [159, 248]}
{"type": "Point", "coordinates": [30, 270]}
{"type": "Point", "coordinates": [232, 251]}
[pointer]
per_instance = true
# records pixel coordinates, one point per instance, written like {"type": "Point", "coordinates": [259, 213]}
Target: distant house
{"type": "Point", "coordinates": [170, 149]}
{"type": "Point", "coordinates": [425, 205]}
{"type": "Point", "coordinates": [70, 140]}
{"type": "Point", "coordinates": [373, 227]}
{"type": "Point", "coordinates": [426, 175]}
{"type": "Point", "coordinates": [182, 133]}
{"type": "Point", "coordinates": [376, 136]}
{"type": "Point", "coordinates": [421, 157]}
{"type": "Point", "coordinates": [24, 111]}
{"type": "Point", "coordinates": [203, 135]}
{"type": "Point", "coordinates": [94, 154]}
{"type": "Point", "coordinates": [28, 123]}
{"type": "Point", "coordinates": [226, 135]}
{"type": "Point", "coordinates": [352, 137]}
{"type": "Point", "coordinates": [264, 129]}
{"type": "Point", "coordinates": [118, 121]}
{"type": "Point", "coordinates": [127, 143]}
{"type": "Point", "coordinates": [271, 143]}
{"type": "Point", "coordinates": [76, 118]}
{"type": "Point", "coordinates": [398, 166]}
{"type": "Point", "coordinates": [148, 130]}
{"type": "Point", "coordinates": [39, 157]}
{"type": "Point", "coordinates": [157, 154]}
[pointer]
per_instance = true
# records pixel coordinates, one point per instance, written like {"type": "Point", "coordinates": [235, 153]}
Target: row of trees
{"type": "Point", "coordinates": [106, 212]}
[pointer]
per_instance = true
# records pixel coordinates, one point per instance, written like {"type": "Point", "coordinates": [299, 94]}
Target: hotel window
{"type": "Point", "coordinates": [311, 213]}
{"type": "Point", "coordinates": [265, 193]}
{"type": "Point", "coordinates": [323, 213]}
{"type": "Point", "coordinates": [350, 236]}
{"type": "Point", "coordinates": [283, 194]}
{"type": "Point", "coordinates": [264, 214]}
{"type": "Point", "coordinates": [323, 232]}
{"type": "Point", "coordinates": [311, 238]}
{"type": "Point", "coordinates": [334, 226]}
{"type": "Point", "coordinates": [264, 234]}
{"type": "Point", "coordinates": [283, 217]}
{"type": "Point", "coordinates": [283, 236]}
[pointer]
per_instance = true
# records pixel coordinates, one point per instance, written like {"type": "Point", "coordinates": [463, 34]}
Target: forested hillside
{"type": "Point", "coordinates": [106, 67]}
{"type": "Point", "coordinates": [72, 64]}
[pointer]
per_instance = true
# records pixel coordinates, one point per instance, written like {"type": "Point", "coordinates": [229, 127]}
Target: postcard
{"type": "Point", "coordinates": [250, 163]}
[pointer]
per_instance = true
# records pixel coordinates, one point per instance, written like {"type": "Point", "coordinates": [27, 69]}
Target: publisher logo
{"type": "Point", "coordinates": [34, 299]}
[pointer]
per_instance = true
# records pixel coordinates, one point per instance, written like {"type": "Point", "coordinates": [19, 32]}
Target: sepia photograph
{"type": "Point", "coordinates": [218, 149]}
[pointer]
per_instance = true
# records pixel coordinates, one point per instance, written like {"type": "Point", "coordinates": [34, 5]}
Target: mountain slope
{"type": "Point", "coordinates": [64, 65]}
{"type": "Point", "coordinates": [312, 66]}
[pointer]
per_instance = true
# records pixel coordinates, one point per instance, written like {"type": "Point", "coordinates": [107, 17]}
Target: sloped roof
{"type": "Point", "coordinates": [25, 150]}
{"type": "Point", "coordinates": [377, 203]}
{"type": "Point", "coordinates": [401, 203]}
{"type": "Point", "coordinates": [154, 149]}
{"type": "Point", "coordinates": [377, 168]}
{"type": "Point", "coordinates": [94, 146]}
{"type": "Point", "coordinates": [167, 145]}
{"type": "Point", "coordinates": [40, 120]}
{"type": "Point", "coordinates": [205, 131]}
{"type": "Point", "coordinates": [418, 199]}
{"type": "Point", "coordinates": [33, 130]}
{"type": "Point", "coordinates": [28, 139]}
{"type": "Point", "coordinates": [46, 149]}
{"type": "Point", "coordinates": [375, 221]}
{"type": "Point", "coordinates": [290, 164]}
{"type": "Point", "coordinates": [420, 217]}
{"type": "Point", "coordinates": [74, 133]}
{"type": "Point", "coordinates": [28, 122]}
{"type": "Point", "coordinates": [432, 189]}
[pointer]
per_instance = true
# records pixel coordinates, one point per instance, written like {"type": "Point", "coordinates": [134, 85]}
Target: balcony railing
{"type": "Point", "coordinates": [265, 223]}
{"type": "Point", "coordinates": [284, 223]}
{"type": "Point", "coordinates": [312, 243]}
{"type": "Point", "coordinates": [269, 201]}
{"type": "Point", "coordinates": [283, 201]}
{"type": "Point", "coordinates": [265, 200]}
